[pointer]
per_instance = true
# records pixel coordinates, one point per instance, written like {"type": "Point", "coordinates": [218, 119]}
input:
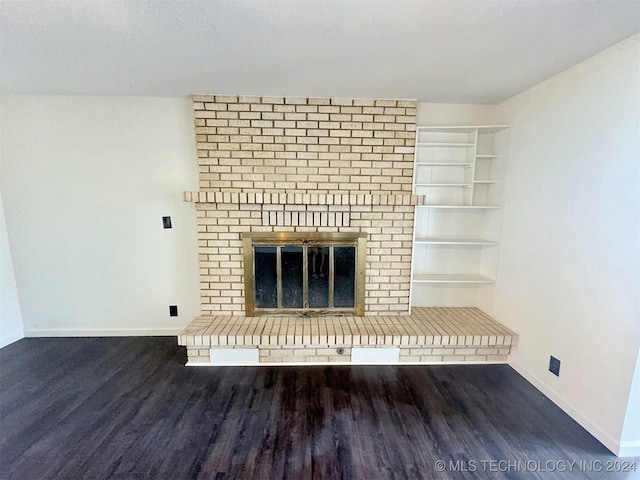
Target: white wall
{"type": "Point", "coordinates": [10, 317]}
{"type": "Point", "coordinates": [85, 182]}
{"type": "Point", "coordinates": [569, 273]}
{"type": "Point", "coordinates": [446, 114]}
{"type": "Point", "coordinates": [630, 442]}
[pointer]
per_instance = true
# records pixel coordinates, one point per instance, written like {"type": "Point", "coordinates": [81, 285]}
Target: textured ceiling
{"type": "Point", "coordinates": [466, 51]}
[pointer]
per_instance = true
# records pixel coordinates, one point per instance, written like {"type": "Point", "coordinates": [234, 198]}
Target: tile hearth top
{"type": "Point", "coordinates": [425, 326]}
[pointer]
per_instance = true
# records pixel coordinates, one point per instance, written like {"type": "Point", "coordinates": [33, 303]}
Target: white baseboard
{"type": "Point", "coordinates": [9, 340]}
{"type": "Point", "coordinates": [629, 449]}
{"type": "Point", "coordinates": [602, 436]}
{"type": "Point", "coordinates": [103, 332]}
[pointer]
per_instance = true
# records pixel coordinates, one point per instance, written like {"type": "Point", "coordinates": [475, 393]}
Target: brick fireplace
{"type": "Point", "coordinates": [274, 164]}
{"type": "Point", "coordinates": [309, 167]}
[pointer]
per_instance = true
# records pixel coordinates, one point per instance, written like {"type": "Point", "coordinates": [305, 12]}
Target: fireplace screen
{"type": "Point", "coordinates": [304, 273]}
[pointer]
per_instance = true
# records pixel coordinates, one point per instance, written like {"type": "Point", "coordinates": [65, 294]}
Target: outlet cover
{"type": "Point", "coordinates": [554, 366]}
{"type": "Point", "coordinates": [173, 310]}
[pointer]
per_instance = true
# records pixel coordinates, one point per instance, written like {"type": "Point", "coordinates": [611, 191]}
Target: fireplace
{"type": "Point", "coordinates": [304, 168]}
{"type": "Point", "coordinates": [305, 207]}
{"type": "Point", "coordinates": [304, 273]}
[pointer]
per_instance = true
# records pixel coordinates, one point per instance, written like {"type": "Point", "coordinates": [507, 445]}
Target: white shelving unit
{"type": "Point", "coordinates": [460, 171]}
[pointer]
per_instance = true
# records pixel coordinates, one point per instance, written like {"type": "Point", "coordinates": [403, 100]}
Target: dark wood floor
{"type": "Point", "coordinates": [127, 408]}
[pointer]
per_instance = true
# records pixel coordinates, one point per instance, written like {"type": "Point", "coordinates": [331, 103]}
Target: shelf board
{"type": "Point", "coordinates": [464, 128]}
{"type": "Point", "coordinates": [484, 181]}
{"type": "Point", "coordinates": [444, 144]}
{"type": "Point", "coordinates": [452, 278]}
{"type": "Point", "coordinates": [486, 156]}
{"type": "Point", "coordinates": [443, 164]}
{"type": "Point", "coordinates": [462, 206]}
{"type": "Point", "coordinates": [454, 241]}
{"type": "Point", "coordinates": [465, 185]}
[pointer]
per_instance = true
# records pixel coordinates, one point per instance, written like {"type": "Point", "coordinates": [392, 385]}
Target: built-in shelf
{"type": "Point", "coordinates": [443, 164]}
{"type": "Point", "coordinates": [463, 207]}
{"type": "Point", "coordinates": [452, 278]}
{"type": "Point", "coordinates": [444, 144]}
{"type": "Point", "coordinates": [466, 185]}
{"type": "Point", "coordinates": [440, 147]}
{"type": "Point", "coordinates": [452, 253]}
{"type": "Point", "coordinates": [464, 128]}
{"type": "Point", "coordinates": [454, 241]}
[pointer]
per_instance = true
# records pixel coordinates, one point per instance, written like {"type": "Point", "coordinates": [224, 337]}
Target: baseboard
{"type": "Point", "coordinates": [9, 340]}
{"type": "Point", "coordinates": [103, 332]}
{"type": "Point", "coordinates": [629, 449]}
{"type": "Point", "coordinates": [602, 436]}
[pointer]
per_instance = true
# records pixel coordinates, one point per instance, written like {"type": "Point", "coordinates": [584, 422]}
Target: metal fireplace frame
{"type": "Point", "coordinates": [305, 240]}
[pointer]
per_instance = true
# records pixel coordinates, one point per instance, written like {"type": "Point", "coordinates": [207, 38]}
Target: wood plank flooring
{"type": "Point", "coordinates": [127, 408]}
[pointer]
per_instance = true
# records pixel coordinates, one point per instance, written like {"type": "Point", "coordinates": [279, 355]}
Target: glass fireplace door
{"type": "Point", "coordinates": [307, 274]}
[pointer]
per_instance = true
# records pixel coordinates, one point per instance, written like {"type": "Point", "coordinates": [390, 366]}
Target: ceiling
{"type": "Point", "coordinates": [461, 51]}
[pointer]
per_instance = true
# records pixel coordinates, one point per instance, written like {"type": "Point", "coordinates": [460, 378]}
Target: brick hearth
{"type": "Point", "coordinates": [428, 335]}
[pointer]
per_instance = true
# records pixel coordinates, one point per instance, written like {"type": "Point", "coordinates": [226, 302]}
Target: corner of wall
{"type": "Point", "coordinates": [11, 327]}
{"type": "Point", "coordinates": [560, 285]}
{"type": "Point", "coordinates": [630, 440]}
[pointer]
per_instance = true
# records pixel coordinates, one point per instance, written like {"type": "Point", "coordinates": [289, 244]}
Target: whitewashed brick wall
{"type": "Point", "coordinates": [304, 164]}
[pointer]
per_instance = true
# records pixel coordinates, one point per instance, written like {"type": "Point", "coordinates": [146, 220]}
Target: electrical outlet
{"type": "Point", "coordinates": [166, 222]}
{"type": "Point", "coordinates": [173, 310]}
{"type": "Point", "coordinates": [554, 366]}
